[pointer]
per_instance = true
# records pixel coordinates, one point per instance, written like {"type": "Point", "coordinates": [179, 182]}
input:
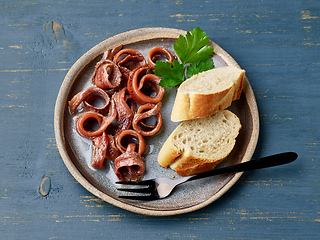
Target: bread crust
{"type": "Point", "coordinates": [168, 153]}
{"type": "Point", "coordinates": [189, 165]}
{"type": "Point", "coordinates": [182, 101]}
{"type": "Point", "coordinates": [184, 161]}
{"type": "Point", "coordinates": [203, 105]}
{"type": "Point", "coordinates": [189, 105]}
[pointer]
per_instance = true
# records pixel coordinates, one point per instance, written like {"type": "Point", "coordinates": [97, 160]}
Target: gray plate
{"type": "Point", "coordinates": [76, 151]}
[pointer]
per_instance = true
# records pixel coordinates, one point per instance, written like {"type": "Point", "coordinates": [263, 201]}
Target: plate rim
{"type": "Point", "coordinates": [138, 35]}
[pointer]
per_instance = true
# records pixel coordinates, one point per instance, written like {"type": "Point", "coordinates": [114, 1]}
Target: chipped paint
{"type": "Point", "coordinates": [52, 143]}
{"type": "Point", "coordinates": [16, 47]}
{"type": "Point", "coordinates": [182, 18]}
{"type": "Point", "coordinates": [306, 15]}
{"type": "Point", "coordinates": [312, 144]}
{"type": "Point", "coordinates": [267, 183]}
{"type": "Point", "coordinates": [18, 25]}
{"type": "Point", "coordinates": [310, 44]}
{"type": "Point", "coordinates": [34, 70]}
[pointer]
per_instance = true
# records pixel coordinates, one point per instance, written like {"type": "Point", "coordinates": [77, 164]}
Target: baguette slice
{"type": "Point", "coordinates": [207, 92]}
{"type": "Point", "coordinates": [198, 145]}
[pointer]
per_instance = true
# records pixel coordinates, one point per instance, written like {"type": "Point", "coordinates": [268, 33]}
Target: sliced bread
{"type": "Point", "coordinates": [198, 145]}
{"type": "Point", "coordinates": [207, 92]}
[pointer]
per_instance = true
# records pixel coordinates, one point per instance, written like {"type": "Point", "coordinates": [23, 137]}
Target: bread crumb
{"type": "Point", "coordinates": [172, 176]}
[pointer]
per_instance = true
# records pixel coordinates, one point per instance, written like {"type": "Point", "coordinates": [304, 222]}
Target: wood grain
{"type": "Point", "coordinates": [276, 42]}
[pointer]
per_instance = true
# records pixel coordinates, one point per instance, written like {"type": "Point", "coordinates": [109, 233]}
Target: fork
{"type": "Point", "coordinates": [159, 188]}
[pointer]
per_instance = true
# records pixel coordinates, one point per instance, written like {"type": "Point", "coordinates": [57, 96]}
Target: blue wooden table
{"type": "Point", "coordinates": [276, 42]}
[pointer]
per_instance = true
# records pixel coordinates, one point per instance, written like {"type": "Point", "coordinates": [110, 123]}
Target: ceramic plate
{"type": "Point", "coordinates": [76, 151]}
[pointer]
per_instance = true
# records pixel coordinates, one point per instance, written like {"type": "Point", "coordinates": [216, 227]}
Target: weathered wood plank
{"type": "Point", "coordinates": [278, 44]}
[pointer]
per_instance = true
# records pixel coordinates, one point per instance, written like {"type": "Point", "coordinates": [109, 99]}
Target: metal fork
{"type": "Point", "coordinates": [159, 188]}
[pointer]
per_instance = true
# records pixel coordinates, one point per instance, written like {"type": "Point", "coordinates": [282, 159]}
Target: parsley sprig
{"type": "Point", "coordinates": [195, 57]}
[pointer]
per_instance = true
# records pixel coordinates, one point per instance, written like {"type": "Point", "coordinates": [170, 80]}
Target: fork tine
{"type": "Point", "coordinates": [149, 189]}
{"type": "Point", "coordinates": [127, 183]}
{"type": "Point", "coordinates": [135, 190]}
{"type": "Point", "coordinates": [144, 198]}
{"type": "Point", "coordinates": [145, 182]}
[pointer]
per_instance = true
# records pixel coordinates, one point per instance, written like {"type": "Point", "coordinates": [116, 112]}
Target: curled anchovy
{"type": "Point", "coordinates": [86, 96]}
{"type": "Point", "coordinates": [100, 145]}
{"type": "Point", "coordinates": [156, 52]}
{"type": "Point", "coordinates": [109, 54]}
{"type": "Point", "coordinates": [112, 150]}
{"type": "Point", "coordinates": [130, 136]}
{"type": "Point", "coordinates": [107, 75]}
{"type": "Point", "coordinates": [103, 122]}
{"type": "Point", "coordinates": [144, 87]}
{"type": "Point", "coordinates": [124, 112]}
{"type": "Point", "coordinates": [129, 166]}
{"type": "Point", "coordinates": [129, 58]}
{"type": "Point", "coordinates": [144, 112]}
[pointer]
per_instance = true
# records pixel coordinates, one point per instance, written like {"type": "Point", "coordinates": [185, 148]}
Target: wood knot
{"type": "Point", "coordinates": [45, 186]}
{"type": "Point", "coordinates": [55, 29]}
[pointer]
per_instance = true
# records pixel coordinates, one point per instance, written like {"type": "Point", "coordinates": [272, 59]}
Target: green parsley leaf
{"type": "Point", "coordinates": [193, 47]}
{"type": "Point", "coordinates": [195, 68]}
{"type": "Point", "coordinates": [171, 76]}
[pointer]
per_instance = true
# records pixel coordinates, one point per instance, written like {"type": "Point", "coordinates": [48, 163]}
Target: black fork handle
{"type": "Point", "coordinates": [265, 162]}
